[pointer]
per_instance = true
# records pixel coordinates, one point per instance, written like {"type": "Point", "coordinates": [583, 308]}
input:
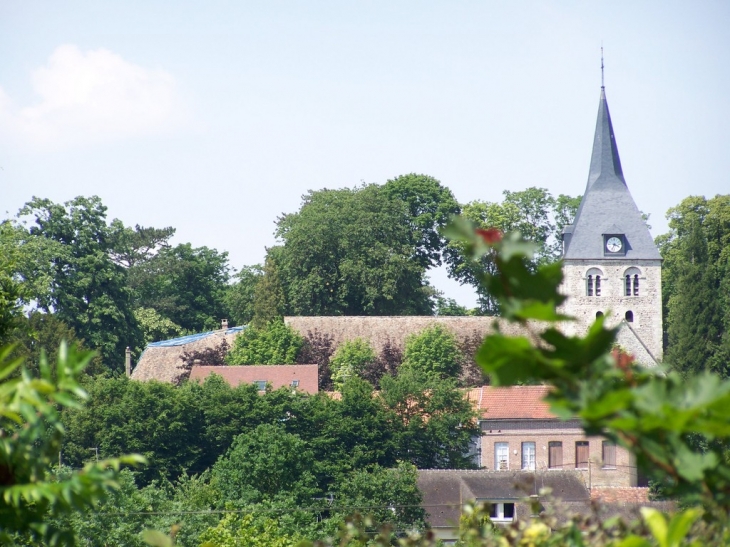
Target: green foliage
{"type": "Point", "coordinates": [269, 302]}
{"type": "Point", "coordinates": [88, 291]}
{"type": "Point", "coordinates": [696, 284]}
{"type": "Point", "coordinates": [389, 496]}
{"type": "Point", "coordinates": [186, 285]}
{"type": "Point", "coordinates": [158, 420]}
{"type": "Point", "coordinates": [430, 206]}
{"type": "Point", "coordinates": [351, 359]}
{"type": "Point", "coordinates": [433, 352]}
{"type": "Point", "coordinates": [247, 529]}
{"type": "Point", "coordinates": [30, 442]}
{"type": "Point", "coordinates": [351, 252]}
{"type": "Point", "coordinates": [433, 423]}
{"type": "Point", "coordinates": [274, 344]}
{"type": "Point", "coordinates": [534, 213]}
{"type": "Point", "coordinates": [133, 246]}
{"type": "Point", "coordinates": [264, 464]}
{"type": "Point", "coordinates": [652, 414]}
{"type": "Point", "coordinates": [155, 326]}
{"type": "Point", "coordinates": [239, 297]}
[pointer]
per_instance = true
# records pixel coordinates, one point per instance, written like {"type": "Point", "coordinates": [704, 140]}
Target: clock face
{"type": "Point", "coordinates": [614, 244]}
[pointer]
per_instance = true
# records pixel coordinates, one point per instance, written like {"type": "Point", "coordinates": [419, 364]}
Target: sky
{"type": "Point", "coordinates": [216, 117]}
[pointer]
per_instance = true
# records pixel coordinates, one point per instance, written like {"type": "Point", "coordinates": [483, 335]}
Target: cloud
{"type": "Point", "coordinates": [91, 96]}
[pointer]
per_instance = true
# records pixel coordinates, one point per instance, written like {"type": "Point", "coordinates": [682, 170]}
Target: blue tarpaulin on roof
{"type": "Point", "coordinates": [183, 340]}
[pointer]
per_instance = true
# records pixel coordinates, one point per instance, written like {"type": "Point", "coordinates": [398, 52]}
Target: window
{"type": "Point", "coordinates": [593, 282]}
{"type": "Point", "coordinates": [294, 383]}
{"type": "Point", "coordinates": [609, 454]}
{"type": "Point", "coordinates": [502, 512]}
{"type": "Point", "coordinates": [632, 282]}
{"type": "Point", "coordinates": [581, 454]}
{"type": "Point", "coordinates": [555, 455]}
{"type": "Point", "coordinates": [501, 456]}
{"type": "Point", "coordinates": [528, 456]}
{"type": "Point", "coordinates": [630, 316]}
{"type": "Point", "coordinates": [260, 385]}
{"type": "Point", "coordinates": [599, 314]}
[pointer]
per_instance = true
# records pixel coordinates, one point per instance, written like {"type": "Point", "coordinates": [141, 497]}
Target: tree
{"type": "Point", "coordinates": [133, 246]}
{"type": "Point", "coordinates": [160, 421]}
{"type": "Point", "coordinates": [534, 213]}
{"type": "Point", "coordinates": [433, 352]}
{"type": "Point", "coordinates": [239, 298]}
{"type": "Point", "coordinates": [433, 424]}
{"type": "Point", "coordinates": [695, 319]}
{"type": "Point", "coordinates": [155, 326]}
{"type": "Point", "coordinates": [352, 358]}
{"type": "Point", "coordinates": [30, 497]}
{"type": "Point", "coordinates": [185, 285]}
{"type": "Point", "coordinates": [269, 301]}
{"type": "Point", "coordinates": [696, 283]}
{"type": "Point", "coordinates": [430, 206]}
{"type": "Point", "coordinates": [350, 252]}
{"type": "Point", "coordinates": [88, 291]}
{"type": "Point", "coordinates": [264, 464]}
{"type": "Point", "coordinates": [389, 496]}
{"type": "Point", "coordinates": [274, 344]}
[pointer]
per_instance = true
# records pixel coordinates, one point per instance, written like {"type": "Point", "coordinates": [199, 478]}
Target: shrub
{"type": "Point", "coordinates": [274, 344]}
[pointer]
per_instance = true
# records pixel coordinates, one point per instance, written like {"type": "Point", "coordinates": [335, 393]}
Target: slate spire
{"type": "Point", "coordinates": [605, 161]}
{"type": "Point", "coordinates": [607, 206]}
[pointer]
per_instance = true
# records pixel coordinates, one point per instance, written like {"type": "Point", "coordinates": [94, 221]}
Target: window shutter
{"type": "Point", "coordinates": [609, 454]}
{"type": "Point", "coordinates": [555, 455]}
{"type": "Point", "coordinates": [581, 454]}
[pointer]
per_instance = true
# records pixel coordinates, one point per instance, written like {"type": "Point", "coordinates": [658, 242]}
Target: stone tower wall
{"type": "Point", "coordinates": [647, 307]}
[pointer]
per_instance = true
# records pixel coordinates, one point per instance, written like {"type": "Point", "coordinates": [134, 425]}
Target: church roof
{"type": "Point", "coordinates": [607, 206]}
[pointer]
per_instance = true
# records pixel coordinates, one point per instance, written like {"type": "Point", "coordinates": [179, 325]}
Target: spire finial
{"type": "Point", "coordinates": [602, 84]}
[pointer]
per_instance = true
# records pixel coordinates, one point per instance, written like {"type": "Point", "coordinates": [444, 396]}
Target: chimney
{"type": "Point", "coordinates": [224, 324]}
{"type": "Point", "coordinates": [128, 362]}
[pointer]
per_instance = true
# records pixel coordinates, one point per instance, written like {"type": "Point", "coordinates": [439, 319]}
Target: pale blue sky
{"type": "Point", "coordinates": [215, 117]}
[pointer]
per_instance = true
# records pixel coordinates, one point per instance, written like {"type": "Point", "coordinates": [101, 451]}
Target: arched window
{"type": "Point", "coordinates": [631, 277]}
{"type": "Point", "coordinates": [593, 282]}
{"type": "Point", "coordinates": [599, 314]}
{"type": "Point", "coordinates": [630, 316]}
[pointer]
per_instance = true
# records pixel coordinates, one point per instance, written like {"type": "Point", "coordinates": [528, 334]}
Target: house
{"type": "Point", "coordinates": [520, 433]}
{"type": "Point", "coordinates": [162, 361]}
{"type": "Point", "coordinates": [303, 378]}
{"type": "Point", "coordinates": [515, 495]}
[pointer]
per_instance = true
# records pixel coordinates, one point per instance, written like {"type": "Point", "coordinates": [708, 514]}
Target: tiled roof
{"type": "Point", "coordinates": [276, 375]}
{"type": "Point", "coordinates": [515, 402]}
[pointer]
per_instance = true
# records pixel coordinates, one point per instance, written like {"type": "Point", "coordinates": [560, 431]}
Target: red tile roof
{"type": "Point", "coordinates": [276, 375]}
{"type": "Point", "coordinates": [515, 402]}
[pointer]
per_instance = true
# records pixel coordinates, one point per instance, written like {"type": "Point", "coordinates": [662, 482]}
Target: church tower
{"type": "Point", "coordinates": [611, 265]}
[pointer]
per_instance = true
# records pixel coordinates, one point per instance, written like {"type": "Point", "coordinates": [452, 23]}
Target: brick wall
{"type": "Point", "coordinates": [620, 494]}
{"type": "Point", "coordinates": [542, 432]}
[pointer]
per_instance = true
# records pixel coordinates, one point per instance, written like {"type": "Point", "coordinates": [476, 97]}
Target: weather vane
{"type": "Point", "coordinates": [602, 84]}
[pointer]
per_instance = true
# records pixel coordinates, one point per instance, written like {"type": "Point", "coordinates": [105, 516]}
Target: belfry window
{"type": "Point", "coordinates": [631, 282]}
{"type": "Point", "coordinates": [593, 282]}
